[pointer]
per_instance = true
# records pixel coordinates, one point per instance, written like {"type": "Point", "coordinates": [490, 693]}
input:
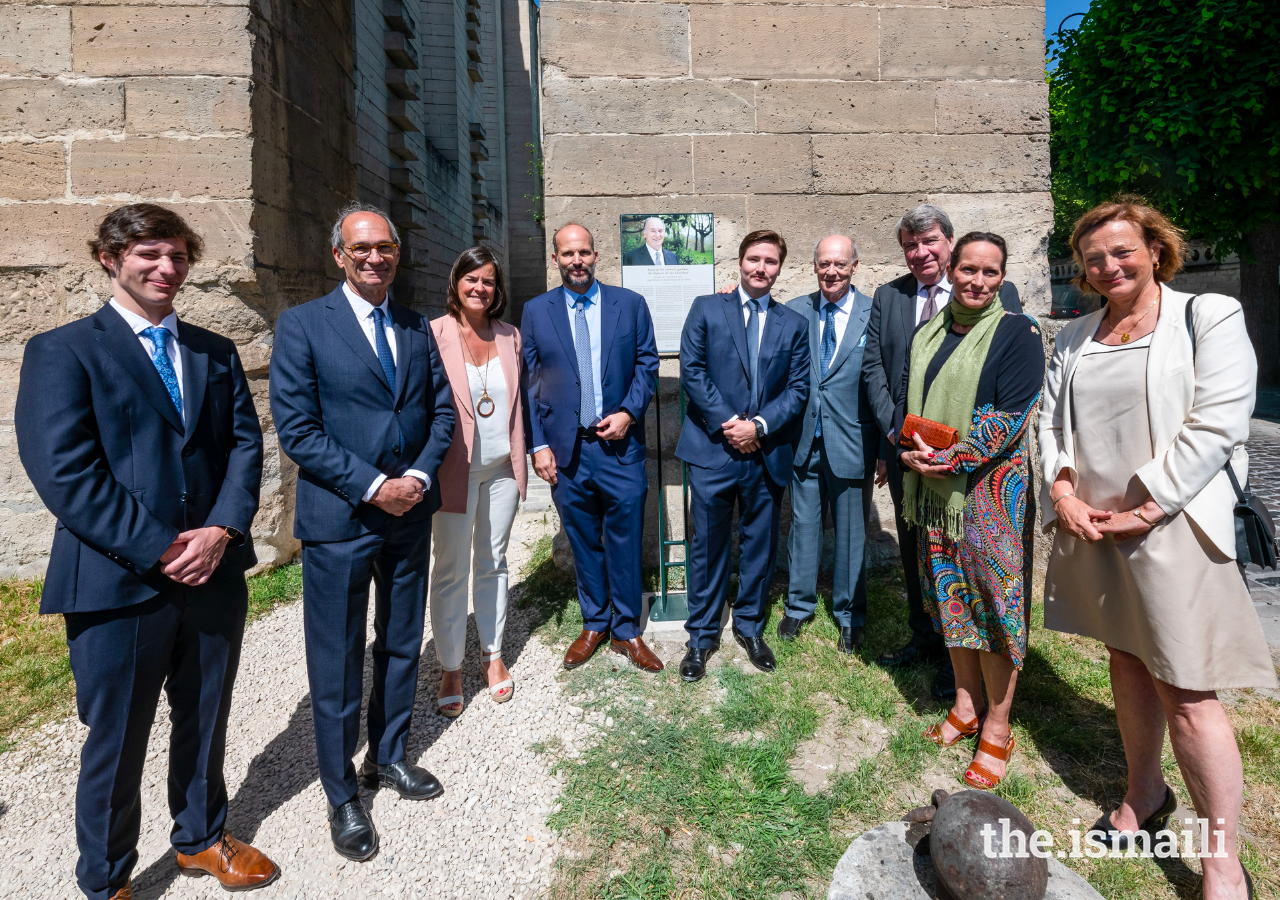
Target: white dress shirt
{"type": "Point", "coordinates": [746, 318]}
{"type": "Point", "coordinates": [173, 348]}
{"type": "Point", "coordinates": [841, 319]}
{"type": "Point", "coordinates": [593, 331]}
{"type": "Point", "coordinates": [942, 298]}
{"type": "Point", "coordinates": [364, 315]}
{"type": "Point", "coordinates": [659, 258]}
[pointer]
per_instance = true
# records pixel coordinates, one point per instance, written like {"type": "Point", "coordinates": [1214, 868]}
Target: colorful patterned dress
{"type": "Point", "coordinates": [976, 588]}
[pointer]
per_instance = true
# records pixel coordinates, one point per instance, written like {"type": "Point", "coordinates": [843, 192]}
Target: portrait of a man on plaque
{"type": "Point", "coordinates": [668, 258]}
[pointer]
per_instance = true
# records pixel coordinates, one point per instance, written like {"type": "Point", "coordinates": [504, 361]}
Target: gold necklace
{"type": "Point", "coordinates": [484, 378]}
{"type": "Point", "coordinates": [1125, 337]}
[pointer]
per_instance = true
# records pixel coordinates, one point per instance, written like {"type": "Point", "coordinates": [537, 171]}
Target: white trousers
{"type": "Point", "coordinates": [483, 531]}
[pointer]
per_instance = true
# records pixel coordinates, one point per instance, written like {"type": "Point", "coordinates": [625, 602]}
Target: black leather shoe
{"type": "Point", "coordinates": [789, 628]}
{"type": "Point", "coordinates": [410, 782]}
{"type": "Point", "coordinates": [911, 654]}
{"type": "Point", "coordinates": [850, 639]}
{"type": "Point", "coordinates": [757, 651]}
{"type": "Point", "coordinates": [944, 683]}
{"type": "Point", "coordinates": [694, 664]}
{"type": "Point", "coordinates": [352, 831]}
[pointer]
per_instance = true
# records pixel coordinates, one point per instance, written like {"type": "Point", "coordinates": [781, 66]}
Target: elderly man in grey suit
{"type": "Point", "coordinates": [835, 459]}
{"type": "Point", "coordinates": [899, 308]}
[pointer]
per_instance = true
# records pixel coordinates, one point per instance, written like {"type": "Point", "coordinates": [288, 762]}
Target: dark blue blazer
{"type": "Point", "coordinates": [715, 378]}
{"type": "Point", "coordinates": [111, 458]}
{"type": "Point", "coordinates": [338, 419]}
{"type": "Point", "coordinates": [628, 359]}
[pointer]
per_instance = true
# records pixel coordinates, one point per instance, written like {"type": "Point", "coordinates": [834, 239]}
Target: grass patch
{"type": "Point", "coordinates": [689, 793]}
{"type": "Point", "coordinates": [35, 675]}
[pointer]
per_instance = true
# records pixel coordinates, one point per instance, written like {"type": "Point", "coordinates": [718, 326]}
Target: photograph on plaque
{"type": "Point", "coordinates": [668, 259]}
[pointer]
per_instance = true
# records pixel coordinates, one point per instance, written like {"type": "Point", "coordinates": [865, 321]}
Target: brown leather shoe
{"type": "Point", "coordinates": [635, 650]}
{"type": "Point", "coordinates": [581, 649]}
{"type": "Point", "coordinates": [236, 865]}
{"type": "Point", "coordinates": [125, 893]}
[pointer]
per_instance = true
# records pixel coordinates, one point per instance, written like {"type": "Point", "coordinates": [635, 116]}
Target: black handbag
{"type": "Point", "coordinates": [1255, 529]}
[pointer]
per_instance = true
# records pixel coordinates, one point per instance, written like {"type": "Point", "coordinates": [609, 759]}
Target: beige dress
{"type": "Point", "coordinates": [1169, 597]}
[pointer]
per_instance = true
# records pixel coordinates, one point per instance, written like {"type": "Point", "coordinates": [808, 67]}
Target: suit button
{"type": "Point", "coordinates": [184, 497]}
{"type": "Point", "coordinates": [188, 450]}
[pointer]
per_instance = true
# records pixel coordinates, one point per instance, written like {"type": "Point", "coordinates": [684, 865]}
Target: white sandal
{"type": "Point", "coordinates": [444, 702]}
{"type": "Point", "coordinates": [496, 689]}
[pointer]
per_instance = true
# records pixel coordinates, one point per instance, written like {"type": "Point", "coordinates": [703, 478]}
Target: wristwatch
{"type": "Point", "coordinates": [232, 534]}
{"type": "Point", "coordinates": [759, 429]}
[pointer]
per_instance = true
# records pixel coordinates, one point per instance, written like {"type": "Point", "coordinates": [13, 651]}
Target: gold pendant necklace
{"type": "Point", "coordinates": [481, 411]}
{"type": "Point", "coordinates": [1124, 338]}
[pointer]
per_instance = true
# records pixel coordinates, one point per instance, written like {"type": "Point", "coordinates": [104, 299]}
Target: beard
{"type": "Point", "coordinates": [578, 279]}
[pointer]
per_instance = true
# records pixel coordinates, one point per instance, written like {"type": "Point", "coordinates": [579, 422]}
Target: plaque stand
{"type": "Point", "coordinates": [666, 605]}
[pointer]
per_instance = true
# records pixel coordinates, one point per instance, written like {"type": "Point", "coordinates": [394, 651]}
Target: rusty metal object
{"type": "Point", "coordinates": [957, 845]}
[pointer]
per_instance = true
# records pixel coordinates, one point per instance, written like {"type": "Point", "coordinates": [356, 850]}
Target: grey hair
{"type": "Point", "coordinates": [837, 234]}
{"type": "Point", "coordinates": [335, 236]}
{"type": "Point", "coordinates": [922, 218]}
{"type": "Point", "coordinates": [645, 226]}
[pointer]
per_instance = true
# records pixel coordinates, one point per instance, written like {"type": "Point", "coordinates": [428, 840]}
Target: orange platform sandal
{"type": "Point", "coordinates": [979, 776]}
{"type": "Point", "coordinates": [965, 729]}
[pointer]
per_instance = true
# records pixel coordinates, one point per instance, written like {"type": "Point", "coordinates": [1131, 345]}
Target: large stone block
{"type": "Point", "coordinates": [845, 107]}
{"type": "Point", "coordinates": [34, 40]}
{"type": "Point", "coordinates": [33, 171]}
{"type": "Point", "coordinates": [660, 106]}
{"type": "Point", "coordinates": [741, 41]}
{"type": "Point", "coordinates": [600, 38]}
{"type": "Point", "coordinates": [162, 167]}
{"type": "Point", "coordinates": [960, 163]}
{"type": "Point", "coordinates": [752, 163]}
{"type": "Point", "coordinates": [42, 107]}
{"type": "Point", "coordinates": [191, 105]}
{"type": "Point", "coordinates": [974, 107]}
{"type": "Point", "coordinates": [31, 301]}
{"type": "Point", "coordinates": [162, 41]}
{"type": "Point", "coordinates": [621, 165]}
{"type": "Point", "coordinates": [962, 43]}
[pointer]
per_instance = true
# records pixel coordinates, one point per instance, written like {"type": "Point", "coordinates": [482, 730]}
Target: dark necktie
{"type": "Point", "coordinates": [384, 349]}
{"type": "Point", "coordinates": [586, 375]}
{"type": "Point", "coordinates": [930, 304]}
{"type": "Point", "coordinates": [828, 349]}
{"type": "Point", "coordinates": [159, 338]}
{"type": "Point", "coordinates": [753, 346]}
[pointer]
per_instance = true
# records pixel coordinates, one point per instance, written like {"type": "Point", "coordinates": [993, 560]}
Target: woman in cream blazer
{"type": "Point", "coordinates": [483, 476]}
{"type": "Point", "coordinates": [1135, 432]}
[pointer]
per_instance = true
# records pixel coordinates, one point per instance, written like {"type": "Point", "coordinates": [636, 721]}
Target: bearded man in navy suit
{"type": "Point", "coordinates": [744, 365]}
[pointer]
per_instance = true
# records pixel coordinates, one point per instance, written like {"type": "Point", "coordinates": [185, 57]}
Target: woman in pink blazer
{"type": "Point", "coordinates": [483, 476]}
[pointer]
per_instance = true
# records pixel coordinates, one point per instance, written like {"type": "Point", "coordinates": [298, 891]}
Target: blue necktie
{"type": "Point", "coordinates": [828, 350]}
{"type": "Point", "coordinates": [159, 338]}
{"type": "Point", "coordinates": [384, 349]}
{"type": "Point", "coordinates": [586, 376]}
{"type": "Point", "coordinates": [753, 347]}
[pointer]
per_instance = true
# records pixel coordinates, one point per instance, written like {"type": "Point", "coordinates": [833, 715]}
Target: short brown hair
{"type": "Point", "coordinates": [124, 227]}
{"type": "Point", "coordinates": [980, 237]}
{"type": "Point", "coordinates": [1155, 228]}
{"type": "Point", "coordinates": [467, 262]}
{"type": "Point", "coordinates": [763, 236]}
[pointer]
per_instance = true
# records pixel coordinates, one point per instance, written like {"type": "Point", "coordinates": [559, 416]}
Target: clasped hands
{"type": "Point", "coordinates": [741, 435]}
{"type": "Point", "coordinates": [398, 495]}
{"type": "Point", "coordinates": [193, 555]}
{"type": "Point", "coordinates": [921, 460]}
{"type": "Point", "coordinates": [1088, 524]}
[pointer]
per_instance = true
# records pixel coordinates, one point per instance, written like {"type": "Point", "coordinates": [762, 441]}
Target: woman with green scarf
{"type": "Point", "coordinates": [978, 369]}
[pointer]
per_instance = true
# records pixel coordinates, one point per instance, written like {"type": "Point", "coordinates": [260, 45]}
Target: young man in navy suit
{"type": "Point", "coordinates": [744, 365]}
{"type": "Point", "coordinates": [362, 405]}
{"type": "Point", "coordinates": [139, 433]}
{"type": "Point", "coordinates": [593, 367]}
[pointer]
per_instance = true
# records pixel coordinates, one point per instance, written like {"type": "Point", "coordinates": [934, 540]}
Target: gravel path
{"type": "Point", "coordinates": [485, 838]}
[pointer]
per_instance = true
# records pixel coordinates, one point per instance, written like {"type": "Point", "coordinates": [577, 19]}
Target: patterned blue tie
{"type": "Point", "coordinates": [753, 345]}
{"type": "Point", "coordinates": [586, 376]}
{"type": "Point", "coordinates": [159, 338]}
{"type": "Point", "coordinates": [384, 349]}
{"type": "Point", "coordinates": [828, 349]}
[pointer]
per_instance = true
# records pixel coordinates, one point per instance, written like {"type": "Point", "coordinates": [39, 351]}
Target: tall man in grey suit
{"type": "Point", "coordinates": [898, 309]}
{"type": "Point", "coordinates": [835, 460]}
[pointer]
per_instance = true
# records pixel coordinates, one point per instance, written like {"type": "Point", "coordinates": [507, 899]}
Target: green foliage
{"type": "Point", "coordinates": [1176, 100]}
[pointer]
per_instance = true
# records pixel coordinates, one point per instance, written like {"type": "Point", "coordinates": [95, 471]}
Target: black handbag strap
{"type": "Point", "coordinates": [1241, 497]}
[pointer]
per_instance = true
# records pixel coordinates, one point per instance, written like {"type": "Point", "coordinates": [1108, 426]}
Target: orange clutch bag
{"type": "Point", "coordinates": [935, 434]}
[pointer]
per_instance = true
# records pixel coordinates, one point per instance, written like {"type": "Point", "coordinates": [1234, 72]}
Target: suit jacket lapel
{"type": "Point", "coordinates": [608, 324]}
{"type": "Point", "coordinates": [117, 338]}
{"type": "Point", "coordinates": [404, 350]}
{"type": "Point", "coordinates": [769, 335]}
{"type": "Point", "coordinates": [455, 364]}
{"type": "Point", "coordinates": [195, 374]}
{"type": "Point", "coordinates": [343, 320]}
{"type": "Point", "coordinates": [738, 329]}
{"type": "Point", "coordinates": [510, 365]}
{"type": "Point", "coordinates": [859, 312]}
{"type": "Point", "coordinates": [560, 319]}
{"type": "Point", "coordinates": [815, 333]}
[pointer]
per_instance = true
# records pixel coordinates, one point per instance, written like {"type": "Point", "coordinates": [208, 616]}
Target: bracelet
{"type": "Point", "coordinates": [1138, 512]}
{"type": "Point", "coordinates": [1060, 499]}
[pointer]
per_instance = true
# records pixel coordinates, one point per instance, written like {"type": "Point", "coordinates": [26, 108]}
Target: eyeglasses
{"type": "Point", "coordinates": [362, 251]}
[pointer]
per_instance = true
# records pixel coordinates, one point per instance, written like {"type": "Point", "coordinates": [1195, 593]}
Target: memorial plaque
{"type": "Point", "coordinates": [668, 259]}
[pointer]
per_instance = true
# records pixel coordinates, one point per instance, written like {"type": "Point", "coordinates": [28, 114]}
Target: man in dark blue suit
{"type": "Point", "coordinates": [139, 433]}
{"type": "Point", "coordinates": [362, 405]}
{"type": "Point", "coordinates": [744, 365]}
{"type": "Point", "coordinates": [593, 367]}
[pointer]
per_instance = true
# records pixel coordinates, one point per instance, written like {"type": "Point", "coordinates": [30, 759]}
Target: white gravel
{"type": "Point", "coordinates": [485, 838]}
